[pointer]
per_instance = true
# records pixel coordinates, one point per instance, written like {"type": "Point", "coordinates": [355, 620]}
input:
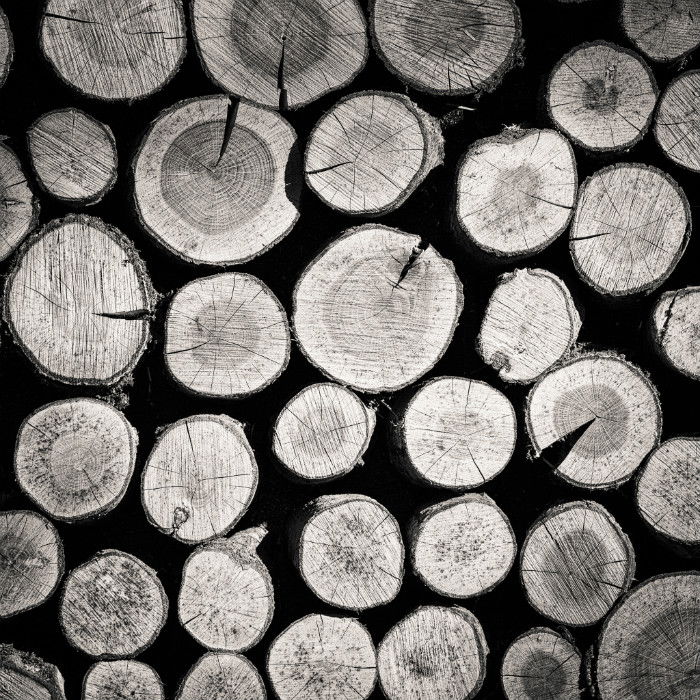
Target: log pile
{"type": "Point", "coordinates": [376, 352]}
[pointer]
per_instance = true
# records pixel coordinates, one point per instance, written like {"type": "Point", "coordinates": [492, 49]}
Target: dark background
{"type": "Point", "coordinates": [524, 489]}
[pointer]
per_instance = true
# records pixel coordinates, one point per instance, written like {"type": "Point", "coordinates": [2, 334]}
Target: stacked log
{"type": "Point", "coordinates": [224, 676]}
{"type": "Point", "coordinates": [122, 680]}
{"type": "Point", "coordinates": [7, 48]}
{"type": "Point", "coordinates": [24, 676]}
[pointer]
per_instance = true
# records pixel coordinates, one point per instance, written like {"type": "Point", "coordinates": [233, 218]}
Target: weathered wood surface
{"type": "Point", "coordinates": [199, 478]}
{"type": "Point", "coordinates": [73, 155]}
{"type": "Point", "coordinates": [114, 50]}
{"type": "Point", "coordinates": [24, 676]}
{"type": "Point", "coordinates": [515, 192]}
{"type": "Point", "coordinates": [122, 680]}
{"type": "Point", "coordinates": [7, 48]}
{"type": "Point", "coordinates": [222, 676]}
{"type": "Point", "coordinates": [281, 54]}
{"type": "Point", "coordinates": [323, 656]}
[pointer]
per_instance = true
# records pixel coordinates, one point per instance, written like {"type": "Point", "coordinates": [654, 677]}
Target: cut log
{"type": "Point", "coordinates": [531, 323]}
{"type": "Point", "coordinates": [281, 54]}
{"type": "Point", "coordinates": [7, 49]}
{"type": "Point", "coordinates": [218, 181]}
{"type": "Point", "coordinates": [19, 209]}
{"type": "Point", "coordinates": [73, 155]}
{"type": "Point", "coordinates": [575, 563]}
{"type": "Point", "coordinates": [114, 50]}
{"type": "Point", "coordinates": [462, 547]}
{"type": "Point", "coordinates": [226, 335]}
{"type": "Point", "coordinates": [663, 30]}
{"type": "Point", "coordinates": [377, 308]}
{"type": "Point", "coordinates": [222, 676]}
{"type": "Point", "coordinates": [434, 652]}
{"type": "Point", "coordinates": [675, 329]}
{"type": "Point", "coordinates": [199, 478]}
{"type": "Point", "coordinates": [323, 656]}
{"type": "Point", "coordinates": [75, 458]}
{"type": "Point", "coordinates": [602, 96]}
{"type": "Point", "coordinates": [456, 47]}
{"type": "Point", "coordinates": [648, 647]}
{"type": "Point", "coordinates": [226, 599]}
{"type": "Point", "coordinates": [455, 433]}
{"type": "Point", "coordinates": [515, 192]}
{"type": "Point", "coordinates": [349, 551]}
{"type": "Point", "coordinates": [677, 124]}
{"type": "Point", "coordinates": [668, 491]}
{"type": "Point", "coordinates": [610, 406]}
{"type": "Point", "coordinates": [24, 676]}
{"type": "Point", "coordinates": [78, 301]}
{"type": "Point", "coordinates": [541, 665]}
{"type": "Point", "coordinates": [31, 561]}
{"type": "Point", "coordinates": [630, 229]}
{"type": "Point", "coordinates": [370, 152]}
{"type": "Point", "coordinates": [112, 606]}
{"type": "Point", "coordinates": [322, 432]}
{"type": "Point", "coordinates": [122, 680]}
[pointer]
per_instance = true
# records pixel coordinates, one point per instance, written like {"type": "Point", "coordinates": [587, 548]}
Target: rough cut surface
{"type": "Point", "coordinates": [122, 680]}
{"type": "Point", "coordinates": [75, 458]}
{"type": "Point", "coordinates": [226, 598]}
{"type": "Point", "coordinates": [447, 48]}
{"type": "Point", "coordinates": [19, 209]}
{"type": "Point", "coordinates": [323, 656]}
{"type": "Point", "coordinates": [575, 563]}
{"type": "Point", "coordinates": [612, 402]}
{"type": "Point", "coordinates": [31, 554]}
{"type": "Point", "coordinates": [648, 647]}
{"type": "Point", "coordinates": [370, 151]}
{"type": "Point", "coordinates": [630, 229]}
{"type": "Point", "coordinates": [663, 30]}
{"type": "Point", "coordinates": [377, 308]}
{"type": "Point", "coordinates": [73, 155]}
{"type": "Point", "coordinates": [78, 301]}
{"type": "Point", "coordinates": [199, 478]}
{"type": "Point", "coordinates": [6, 47]}
{"type": "Point", "coordinates": [434, 652]}
{"type": "Point", "coordinates": [226, 335]}
{"type": "Point", "coordinates": [531, 322]}
{"type": "Point", "coordinates": [462, 547]}
{"type": "Point", "coordinates": [602, 96]}
{"type": "Point", "coordinates": [111, 49]}
{"type": "Point", "coordinates": [322, 432]}
{"type": "Point", "coordinates": [280, 53]}
{"type": "Point", "coordinates": [24, 676]}
{"type": "Point", "coordinates": [675, 328]}
{"type": "Point", "coordinates": [677, 123]}
{"type": "Point", "coordinates": [540, 664]}
{"type": "Point", "coordinates": [222, 676]}
{"type": "Point", "coordinates": [516, 191]}
{"type": "Point", "coordinates": [456, 433]}
{"type": "Point", "coordinates": [112, 606]}
{"type": "Point", "coordinates": [217, 181]}
{"type": "Point", "coordinates": [350, 552]}
{"type": "Point", "coordinates": [668, 490]}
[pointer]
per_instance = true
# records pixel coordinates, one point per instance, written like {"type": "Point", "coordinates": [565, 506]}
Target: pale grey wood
{"type": "Point", "coordinates": [7, 49]}
{"type": "Point", "coordinates": [648, 646]}
{"type": "Point", "coordinates": [226, 335]}
{"type": "Point", "coordinates": [112, 606]}
{"type": "Point", "coordinates": [615, 400]}
{"type": "Point", "coordinates": [530, 323]}
{"type": "Point", "coordinates": [217, 181]}
{"type": "Point", "coordinates": [575, 563]}
{"type": "Point", "coordinates": [370, 152]}
{"type": "Point", "coordinates": [24, 676]}
{"type": "Point", "coordinates": [75, 458]}
{"type": "Point", "coordinates": [602, 96]}
{"type": "Point", "coordinates": [226, 599]}
{"type": "Point", "coordinates": [434, 652]}
{"type": "Point", "coordinates": [200, 478]}
{"type": "Point", "coordinates": [114, 50]}
{"type": "Point", "coordinates": [122, 680]}
{"type": "Point", "coordinates": [31, 561]}
{"type": "Point", "coordinates": [377, 308]}
{"type": "Point", "coordinates": [323, 656]}
{"type": "Point", "coordinates": [516, 191]}
{"type": "Point", "coordinates": [448, 48]}
{"type": "Point", "coordinates": [222, 676]}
